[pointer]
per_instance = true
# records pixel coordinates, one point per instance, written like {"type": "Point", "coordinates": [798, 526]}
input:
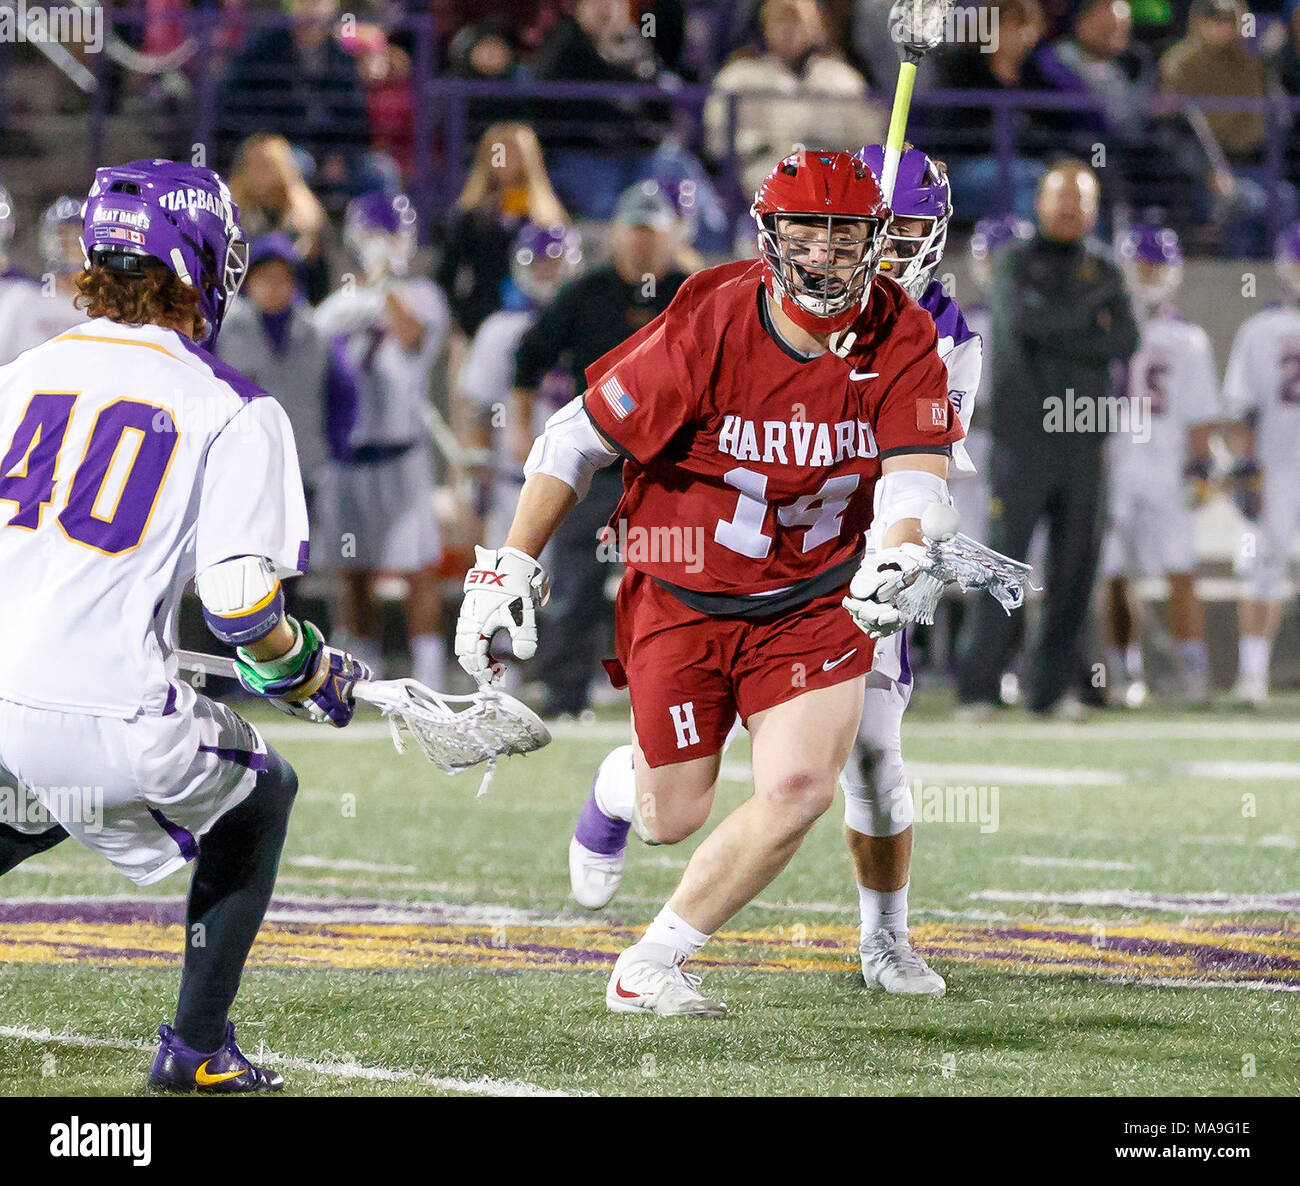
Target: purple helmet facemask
{"type": "Point", "coordinates": [180, 215]}
{"type": "Point", "coordinates": [1288, 258]}
{"type": "Point", "coordinates": [535, 244]}
{"type": "Point", "coordinates": [1157, 246]}
{"type": "Point", "coordinates": [921, 191]}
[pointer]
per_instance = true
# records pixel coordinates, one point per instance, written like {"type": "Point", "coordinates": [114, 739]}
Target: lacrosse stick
{"type": "Point", "coordinates": [490, 725]}
{"type": "Point", "coordinates": [917, 26]}
{"type": "Point", "coordinates": [952, 558]}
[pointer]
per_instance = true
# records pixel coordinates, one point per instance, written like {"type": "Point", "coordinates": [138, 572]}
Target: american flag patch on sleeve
{"type": "Point", "coordinates": [617, 397]}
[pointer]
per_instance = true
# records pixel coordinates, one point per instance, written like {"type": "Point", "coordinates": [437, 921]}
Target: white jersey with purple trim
{"type": "Point", "coordinates": [1263, 377]}
{"type": "Point", "coordinates": [395, 385]}
{"type": "Point", "coordinates": [130, 460]}
{"type": "Point", "coordinates": [1172, 387]}
{"type": "Point", "coordinates": [962, 353]}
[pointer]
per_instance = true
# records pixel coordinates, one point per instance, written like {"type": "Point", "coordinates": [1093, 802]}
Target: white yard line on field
{"type": "Point", "coordinates": [1241, 771]}
{"type": "Point", "coordinates": [337, 1070]}
{"type": "Point", "coordinates": [310, 862]}
{"type": "Point", "coordinates": [1034, 862]}
{"type": "Point", "coordinates": [978, 773]}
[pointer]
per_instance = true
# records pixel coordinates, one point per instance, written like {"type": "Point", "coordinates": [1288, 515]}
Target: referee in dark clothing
{"type": "Point", "coordinates": [1062, 329]}
{"type": "Point", "coordinates": [589, 317]}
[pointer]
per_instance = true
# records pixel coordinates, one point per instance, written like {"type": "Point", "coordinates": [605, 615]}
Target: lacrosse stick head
{"type": "Point", "coordinates": [918, 25]}
{"type": "Point", "coordinates": [456, 732]}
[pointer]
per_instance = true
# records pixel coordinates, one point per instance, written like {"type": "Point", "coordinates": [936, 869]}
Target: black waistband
{"type": "Point", "coordinates": [739, 605]}
{"type": "Point", "coordinates": [372, 454]}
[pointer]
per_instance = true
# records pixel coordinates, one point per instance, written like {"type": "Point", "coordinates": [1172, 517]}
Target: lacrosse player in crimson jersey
{"type": "Point", "coordinates": [132, 461]}
{"type": "Point", "coordinates": [755, 417]}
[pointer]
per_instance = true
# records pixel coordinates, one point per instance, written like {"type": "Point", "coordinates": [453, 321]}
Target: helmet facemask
{"type": "Point", "coordinates": [915, 254]}
{"type": "Point", "coordinates": [823, 263]}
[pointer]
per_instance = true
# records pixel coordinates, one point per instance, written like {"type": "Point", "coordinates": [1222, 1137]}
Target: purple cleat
{"type": "Point", "coordinates": [227, 1071]}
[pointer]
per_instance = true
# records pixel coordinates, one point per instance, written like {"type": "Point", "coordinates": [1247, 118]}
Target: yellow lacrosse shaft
{"type": "Point", "coordinates": [898, 125]}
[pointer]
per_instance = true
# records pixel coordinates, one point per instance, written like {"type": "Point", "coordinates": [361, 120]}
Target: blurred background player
{"type": "Point", "coordinates": [96, 561]}
{"type": "Point", "coordinates": [34, 313]}
{"type": "Point", "coordinates": [271, 336]}
{"type": "Point", "coordinates": [1154, 474]}
{"type": "Point", "coordinates": [1061, 319]}
{"type": "Point", "coordinates": [377, 510]}
{"type": "Point", "coordinates": [543, 259]}
{"type": "Point", "coordinates": [1261, 391]}
{"type": "Point", "coordinates": [877, 796]}
{"type": "Point", "coordinates": [588, 318]}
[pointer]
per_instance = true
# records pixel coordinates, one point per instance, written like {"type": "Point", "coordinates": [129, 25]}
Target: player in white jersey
{"type": "Point", "coordinates": [376, 510]}
{"type": "Point", "coordinates": [542, 258]}
{"type": "Point", "coordinates": [131, 462]}
{"type": "Point", "coordinates": [1158, 467]}
{"type": "Point", "coordinates": [34, 312]}
{"type": "Point", "coordinates": [1261, 391]}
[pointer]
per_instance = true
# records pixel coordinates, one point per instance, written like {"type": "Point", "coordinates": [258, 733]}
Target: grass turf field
{"type": "Point", "coordinates": [1113, 904]}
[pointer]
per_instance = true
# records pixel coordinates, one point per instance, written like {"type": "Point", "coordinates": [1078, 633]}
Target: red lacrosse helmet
{"type": "Point", "coordinates": [821, 221]}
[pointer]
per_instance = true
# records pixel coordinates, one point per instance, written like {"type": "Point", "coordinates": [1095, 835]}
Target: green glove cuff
{"type": "Point", "coordinates": [267, 677]}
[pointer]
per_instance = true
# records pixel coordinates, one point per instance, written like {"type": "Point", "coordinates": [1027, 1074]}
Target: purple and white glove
{"type": "Point", "coordinates": [313, 679]}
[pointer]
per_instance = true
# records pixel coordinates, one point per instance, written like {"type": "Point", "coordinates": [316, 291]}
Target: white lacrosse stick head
{"type": "Point", "coordinates": [918, 25]}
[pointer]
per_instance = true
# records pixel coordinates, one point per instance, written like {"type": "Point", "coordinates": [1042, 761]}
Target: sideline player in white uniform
{"type": "Point", "coordinates": [132, 461]}
{"type": "Point", "coordinates": [1261, 390]}
{"type": "Point", "coordinates": [1157, 467]}
{"type": "Point", "coordinates": [377, 509]}
{"type": "Point", "coordinates": [32, 313]}
{"type": "Point", "coordinates": [877, 799]}
{"type": "Point", "coordinates": [542, 259]}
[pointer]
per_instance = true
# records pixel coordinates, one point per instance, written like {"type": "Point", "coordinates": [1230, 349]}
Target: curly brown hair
{"type": "Point", "coordinates": [151, 296]}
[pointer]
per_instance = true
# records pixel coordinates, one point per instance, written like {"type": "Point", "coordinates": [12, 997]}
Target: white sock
{"type": "Point", "coordinates": [429, 659]}
{"type": "Point", "coordinates": [615, 788]}
{"type": "Point", "coordinates": [1133, 661]}
{"type": "Point", "coordinates": [1194, 656]}
{"type": "Point", "coordinates": [672, 932]}
{"type": "Point", "coordinates": [883, 909]}
{"type": "Point", "coordinates": [1252, 658]}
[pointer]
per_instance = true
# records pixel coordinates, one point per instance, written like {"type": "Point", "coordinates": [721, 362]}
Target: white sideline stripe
{"type": "Point", "coordinates": [310, 862]}
{"type": "Point", "coordinates": [1035, 862]}
{"type": "Point", "coordinates": [972, 773]}
{"type": "Point", "coordinates": [1241, 771]}
{"type": "Point", "coordinates": [1211, 902]}
{"type": "Point", "coordinates": [339, 1070]}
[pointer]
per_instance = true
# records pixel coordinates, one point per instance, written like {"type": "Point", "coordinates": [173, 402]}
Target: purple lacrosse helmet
{"type": "Point", "coordinates": [921, 191]}
{"type": "Point", "coordinates": [1288, 258]}
{"type": "Point", "coordinates": [181, 216]}
{"type": "Point", "coordinates": [1152, 260]}
{"type": "Point", "coordinates": [380, 230]}
{"type": "Point", "coordinates": [542, 258]}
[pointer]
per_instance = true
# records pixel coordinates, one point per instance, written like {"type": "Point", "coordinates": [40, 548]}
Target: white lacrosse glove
{"type": "Point", "coordinates": [879, 579]}
{"type": "Point", "coordinates": [502, 591]}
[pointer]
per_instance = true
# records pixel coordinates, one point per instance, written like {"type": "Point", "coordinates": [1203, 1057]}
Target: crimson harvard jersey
{"type": "Point", "coordinates": [769, 458]}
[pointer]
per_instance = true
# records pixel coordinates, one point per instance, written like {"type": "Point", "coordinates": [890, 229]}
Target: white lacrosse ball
{"type": "Point", "coordinates": [939, 521]}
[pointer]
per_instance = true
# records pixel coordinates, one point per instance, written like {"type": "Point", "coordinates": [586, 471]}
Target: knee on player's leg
{"type": "Point", "coordinates": [801, 795]}
{"type": "Point", "coordinates": [877, 798]}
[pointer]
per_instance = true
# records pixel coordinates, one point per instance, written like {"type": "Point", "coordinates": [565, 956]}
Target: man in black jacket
{"type": "Point", "coordinates": [1062, 330]}
{"type": "Point", "coordinates": [589, 317]}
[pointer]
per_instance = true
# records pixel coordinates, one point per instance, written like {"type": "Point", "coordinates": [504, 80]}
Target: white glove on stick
{"type": "Point", "coordinates": [879, 579]}
{"type": "Point", "coordinates": [502, 591]}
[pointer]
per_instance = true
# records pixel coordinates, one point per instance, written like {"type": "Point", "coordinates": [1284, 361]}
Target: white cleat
{"type": "Point", "coordinates": [641, 985]}
{"type": "Point", "coordinates": [593, 876]}
{"type": "Point", "coordinates": [890, 963]}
